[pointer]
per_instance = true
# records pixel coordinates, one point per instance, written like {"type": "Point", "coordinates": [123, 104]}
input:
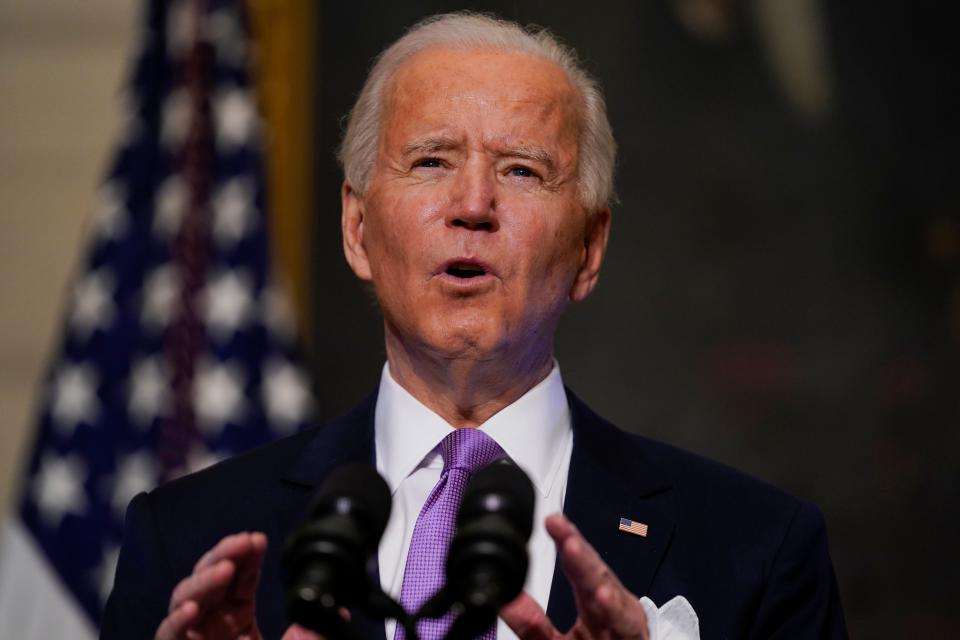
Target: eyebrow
{"type": "Point", "coordinates": [428, 145]}
{"type": "Point", "coordinates": [535, 154]}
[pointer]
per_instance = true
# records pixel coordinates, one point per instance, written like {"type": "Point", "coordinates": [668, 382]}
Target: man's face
{"type": "Point", "coordinates": [472, 228]}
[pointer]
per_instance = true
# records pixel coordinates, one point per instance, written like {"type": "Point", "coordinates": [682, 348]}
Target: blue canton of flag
{"type": "Point", "coordinates": [177, 350]}
{"type": "Point", "coordinates": [631, 526]}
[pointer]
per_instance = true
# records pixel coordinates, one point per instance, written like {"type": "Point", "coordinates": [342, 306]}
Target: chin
{"type": "Point", "coordinates": [468, 338]}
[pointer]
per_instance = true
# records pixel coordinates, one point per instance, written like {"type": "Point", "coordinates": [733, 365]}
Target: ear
{"type": "Point", "coordinates": [594, 248]}
{"type": "Point", "coordinates": [351, 222]}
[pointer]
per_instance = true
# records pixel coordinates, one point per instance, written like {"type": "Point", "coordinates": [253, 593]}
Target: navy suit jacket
{"type": "Point", "coordinates": [752, 560]}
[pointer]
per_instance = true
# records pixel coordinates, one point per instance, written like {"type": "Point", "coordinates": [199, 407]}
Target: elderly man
{"type": "Point", "coordinates": [479, 164]}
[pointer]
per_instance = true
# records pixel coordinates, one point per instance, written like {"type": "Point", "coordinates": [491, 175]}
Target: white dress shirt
{"type": "Point", "coordinates": [535, 432]}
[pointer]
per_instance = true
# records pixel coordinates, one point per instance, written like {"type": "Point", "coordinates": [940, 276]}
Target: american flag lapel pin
{"type": "Point", "coordinates": [634, 527]}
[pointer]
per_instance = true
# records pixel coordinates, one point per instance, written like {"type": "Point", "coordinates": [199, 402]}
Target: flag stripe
{"type": "Point", "coordinates": [33, 601]}
{"type": "Point", "coordinates": [630, 526]}
{"type": "Point", "coordinates": [184, 342]}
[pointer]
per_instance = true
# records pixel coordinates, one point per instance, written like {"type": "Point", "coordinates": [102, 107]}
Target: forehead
{"type": "Point", "coordinates": [508, 91]}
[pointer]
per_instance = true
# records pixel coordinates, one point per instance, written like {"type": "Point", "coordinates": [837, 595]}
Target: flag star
{"type": "Point", "coordinates": [201, 457]}
{"type": "Point", "coordinates": [74, 398]}
{"type": "Point", "coordinates": [111, 220]}
{"type": "Point", "coordinates": [228, 37]}
{"type": "Point", "coordinates": [105, 571]}
{"type": "Point", "coordinates": [286, 395]}
{"type": "Point", "coordinates": [149, 391]}
{"type": "Point", "coordinates": [58, 488]}
{"type": "Point", "coordinates": [161, 297]}
{"type": "Point", "coordinates": [218, 396]}
{"type": "Point", "coordinates": [136, 473]}
{"type": "Point", "coordinates": [233, 212]}
{"type": "Point", "coordinates": [171, 206]}
{"type": "Point", "coordinates": [182, 26]}
{"type": "Point", "coordinates": [177, 116]}
{"type": "Point", "coordinates": [235, 118]}
{"type": "Point", "coordinates": [93, 306]}
{"type": "Point", "coordinates": [227, 302]}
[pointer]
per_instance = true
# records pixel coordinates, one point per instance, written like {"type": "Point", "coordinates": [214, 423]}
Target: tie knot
{"type": "Point", "coordinates": [469, 449]}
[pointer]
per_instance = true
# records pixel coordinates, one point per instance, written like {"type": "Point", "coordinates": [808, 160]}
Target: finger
{"type": "Point", "coordinates": [234, 546]}
{"type": "Point", "coordinates": [244, 585]}
{"type": "Point", "coordinates": [204, 586]}
{"type": "Point", "coordinates": [245, 552]}
{"type": "Point", "coordinates": [527, 619]}
{"type": "Point", "coordinates": [580, 562]}
{"type": "Point", "coordinates": [175, 625]}
{"type": "Point", "coordinates": [602, 600]}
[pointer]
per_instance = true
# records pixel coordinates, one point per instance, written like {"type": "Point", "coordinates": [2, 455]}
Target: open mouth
{"type": "Point", "coordinates": [465, 270]}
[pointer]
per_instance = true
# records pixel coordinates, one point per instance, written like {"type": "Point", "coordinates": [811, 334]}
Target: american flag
{"type": "Point", "coordinates": [634, 527]}
{"type": "Point", "coordinates": [177, 348]}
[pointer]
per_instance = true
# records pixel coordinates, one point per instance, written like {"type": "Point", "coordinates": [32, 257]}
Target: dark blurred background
{"type": "Point", "coordinates": [782, 289]}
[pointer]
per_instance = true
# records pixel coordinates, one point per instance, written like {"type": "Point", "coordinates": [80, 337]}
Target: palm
{"type": "Point", "coordinates": [607, 610]}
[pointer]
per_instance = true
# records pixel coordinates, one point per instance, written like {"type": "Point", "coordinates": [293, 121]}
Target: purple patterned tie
{"type": "Point", "coordinates": [464, 451]}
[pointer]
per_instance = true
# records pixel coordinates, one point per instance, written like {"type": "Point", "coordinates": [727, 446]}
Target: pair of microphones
{"type": "Point", "coordinates": [326, 561]}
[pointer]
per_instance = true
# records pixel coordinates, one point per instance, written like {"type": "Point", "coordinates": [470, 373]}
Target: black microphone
{"type": "Point", "coordinates": [326, 559]}
{"type": "Point", "coordinates": [487, 561]}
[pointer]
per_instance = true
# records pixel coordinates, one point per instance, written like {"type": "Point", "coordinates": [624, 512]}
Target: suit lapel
{"type": "Point", "coordinates": [612, 477]}
{"type": "Point", "coordinates": [346, 440]}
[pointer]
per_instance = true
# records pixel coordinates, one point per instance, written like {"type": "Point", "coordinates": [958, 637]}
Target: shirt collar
{"type": "Point", "coordinates": [533, 431]}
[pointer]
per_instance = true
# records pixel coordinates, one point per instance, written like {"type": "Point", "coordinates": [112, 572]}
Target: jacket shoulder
{"type": "Point", "coordinates": [696, 478]}
{"type": "Point", "coordinates": [298, 459]}
{"type": "Point", "coordinates": [752, 559]}
{"type": "Point", "coordinates": [239, 473]}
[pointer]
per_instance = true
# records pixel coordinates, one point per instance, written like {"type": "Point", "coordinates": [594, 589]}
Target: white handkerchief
{"type": "Point", "coordinates": [675, 620]}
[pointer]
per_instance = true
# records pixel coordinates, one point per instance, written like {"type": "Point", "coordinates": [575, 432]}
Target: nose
{"type": "Point", "coordinates": [474, 201]}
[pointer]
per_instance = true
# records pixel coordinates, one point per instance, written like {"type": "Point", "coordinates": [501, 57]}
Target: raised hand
{"type": "Point", "coordinates": [218, 600]}
{"type": "Point", "coordinates": [606, 609]}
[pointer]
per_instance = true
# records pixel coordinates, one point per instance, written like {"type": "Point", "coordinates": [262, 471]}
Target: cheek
{"type": "Point", "coordinates": [398, 235]}
{"type": "Point", "coordinates": [551, 256]}
{"type": "Point", "coordinates": [388, 230]}
{"type": "Point", "coordinates": [554, 250]}
{"type": "Point", "coordinates": [407, 207]}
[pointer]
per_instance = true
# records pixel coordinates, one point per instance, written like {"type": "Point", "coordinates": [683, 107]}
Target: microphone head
{"type": "Point", "coordinates": [487, 561]}
{"type": "Point", "coordinates": [500, 488]}
{"type": "Point", "coordinates": [325, 559]}
{"type": "Point", "coordinates": [355, 491]}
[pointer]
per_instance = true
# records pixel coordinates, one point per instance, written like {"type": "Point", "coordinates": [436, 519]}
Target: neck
{"type": "Point", "coordinates": [466, 391]}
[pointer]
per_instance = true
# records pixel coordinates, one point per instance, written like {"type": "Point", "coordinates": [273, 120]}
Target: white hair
{"type": "Point", "coordinates": [597, 149]}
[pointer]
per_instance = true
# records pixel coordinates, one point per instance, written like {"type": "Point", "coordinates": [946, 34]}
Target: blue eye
{"type": "Point", "coordinates": [522, 172]}
{"type": "Point", "coordinates": [430, 163]}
